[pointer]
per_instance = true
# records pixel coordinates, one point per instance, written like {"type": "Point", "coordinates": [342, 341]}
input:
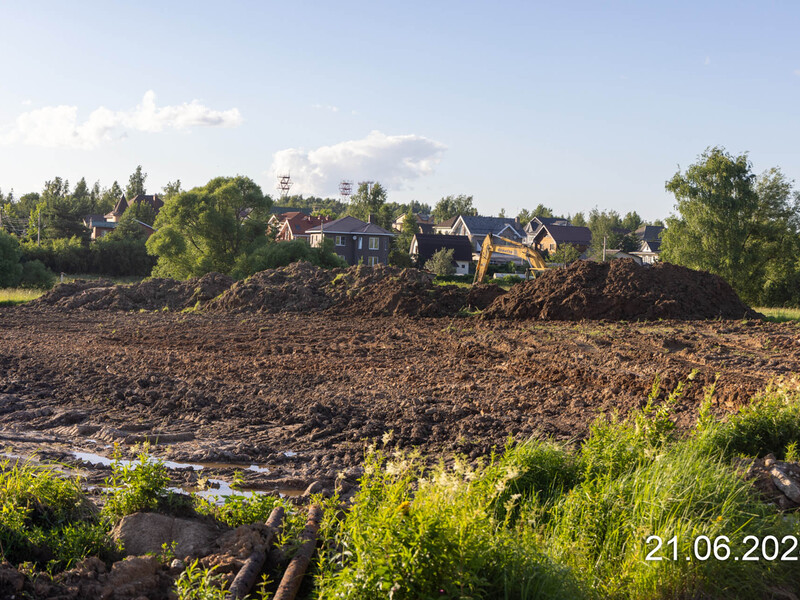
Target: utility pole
{"type": "Point", "coordinates": [604, 248]}
{"type": "Point", "coordinates": [38, 228]}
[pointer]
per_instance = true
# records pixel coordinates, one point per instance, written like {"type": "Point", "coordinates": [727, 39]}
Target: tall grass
{"type": "Point", "coordinates": [12, 296]}
{"type": "Point", "coordinates": [547, 521]}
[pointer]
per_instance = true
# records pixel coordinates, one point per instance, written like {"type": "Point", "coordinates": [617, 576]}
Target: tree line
{"type": "Point", "coordinates": [727, 220]}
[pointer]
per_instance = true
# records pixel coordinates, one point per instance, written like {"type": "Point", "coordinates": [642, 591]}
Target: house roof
{"type": "Point", "coordinates": [480, 226]}
{"type": "Point", "coordinates": [650, 246]}
{"type": "Point", "coordinates": [428, 244]}
{"type": "Point", "coordinates": [351, 225]}
{"type": "Point", "coordinates": [569, 234]}
{"type": "Point", "coordinates": [280, 210]}
{"type": "Point", "coordinates": [533, 225]}
{"type": "Point", "coordinates": [448, 223]}
{"type": "Point", "coordinates": [649, 233]}
{"type": "Point", "coordinates": [426, 228]}
{"type": "Point", "coordinates": [300, 222]}
{"type": "Point", "coordinates": [152, 199]}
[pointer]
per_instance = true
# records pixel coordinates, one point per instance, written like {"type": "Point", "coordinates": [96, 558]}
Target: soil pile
{"type": "Point", "coordinates": [621, 290]}
{"type": "Point", "coordinates": [152, 294]}
{"type": "Point", "coordinates": [358, 290]}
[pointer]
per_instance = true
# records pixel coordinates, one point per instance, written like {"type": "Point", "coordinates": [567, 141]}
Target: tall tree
{"type": "Point", "coordinates": [731, 222]}
{"type": "Point", "coordinates": [136, 183]}
{"type": "Point", "coordinates": [632, 221]}
{"type": "Point", "coordinates": [209, 228]}
{"type": "Point", "coordinates": [578, 220]}
{"type": "Point", "coordinates": [452, 206]}
{"type": "Point", "coordinates": [370, 199]}
{"type": "Point", "coordinates": [173, 188]}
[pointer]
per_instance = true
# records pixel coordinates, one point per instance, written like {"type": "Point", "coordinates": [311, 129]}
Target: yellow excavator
{"type": "Point", "coordinates": [509, 247]}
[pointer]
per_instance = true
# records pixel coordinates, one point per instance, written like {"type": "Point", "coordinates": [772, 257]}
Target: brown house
{"type": "Point", "coordinates": [549, 237]}
{"type": "Point", "coordinates": [294, 226]}
{"type": "Point", "coordinates": [354, 240]}
{"type": "Point", "coordinates": [103, 224]}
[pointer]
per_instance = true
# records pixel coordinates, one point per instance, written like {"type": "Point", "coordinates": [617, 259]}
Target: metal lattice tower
{"type": "Point", "coordinates": [284, 185]}
{"type": "Point", "coordinates": [346, 189]}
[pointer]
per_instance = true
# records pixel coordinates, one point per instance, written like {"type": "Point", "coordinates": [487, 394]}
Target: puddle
{"type": "Point", "coordinates": [290, 453]}
{"type": "Point", "coordinates": [97, 459]}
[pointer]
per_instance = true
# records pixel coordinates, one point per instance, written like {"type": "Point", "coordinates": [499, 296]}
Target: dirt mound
{"type": "Point", "coordinates": [621, 290]}
{"type": "Point", "coordinates": [151, 294]}
{"type": "Point", "coordinates": [299, 287]}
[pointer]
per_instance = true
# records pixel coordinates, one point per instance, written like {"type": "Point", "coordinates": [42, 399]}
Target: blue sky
{"type": "Point", "coordinates": [572, 105]}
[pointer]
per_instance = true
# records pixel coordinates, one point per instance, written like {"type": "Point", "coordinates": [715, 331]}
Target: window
{"type": "Point", "coordinates": [373, 260]}
{"type": "Point", "coordinates": [340, 240]}
{"type": "Point", "coordinates": [360, 242]}
{"type": "Point", "coordinates": [374, 243]}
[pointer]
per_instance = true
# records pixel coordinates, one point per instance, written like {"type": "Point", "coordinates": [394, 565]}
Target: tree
{"type": "Point", "coordinates": [732, 223]}
{"type": "Point", "coordinates": [173, 188]}
{"type": "Point", "coordinates": [632, 221]}
{"type": "Point", "coordinates": [136, 184]}
{"type": "Point", "coordinates": [370, 199]}
{"type": "Point", "coordinates": [452, 206]}
{"type": "Point", "coordinates": [578, 220]}
{"type": "Point", "coordinates": [129, 227]}
{"type": "Point", "coordinates": [209, 228]}
{"type": "Point", "coordinates": [441, 263]}
{"type": "Point", "coordinates": [10, 267]}
{"type": "Point", "coordinates": [606, 227]}
{"type": "Point", "coordinates": [565, 254]}
{"type": "Point", "coordinates": [109, 198]}
{"type": "Point", "coordinates": [407, 233]}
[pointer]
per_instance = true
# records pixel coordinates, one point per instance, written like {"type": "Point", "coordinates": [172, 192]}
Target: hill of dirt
{"type": "Point", "coordinates": [621, 290]}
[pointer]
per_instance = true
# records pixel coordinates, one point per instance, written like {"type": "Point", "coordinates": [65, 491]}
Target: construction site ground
{"type": "Point", "coordinates": [296, 397]}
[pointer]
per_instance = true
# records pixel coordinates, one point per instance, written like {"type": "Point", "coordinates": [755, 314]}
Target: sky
{"type": "Point", "coordinates": [573, 105]}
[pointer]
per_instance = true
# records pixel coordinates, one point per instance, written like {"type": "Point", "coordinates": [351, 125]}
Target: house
{"type": "Point", "coordinates": [649, 243]}
{"type": "Point", "coordinates": [476, 229]}
{"type": "Point", "coordinates": [532, 227]}
{"type": "Point", "coordinates": [278, 214]}
{"type": "Point", "coordinates": [422, 220]}
{"type": "Point", "coordinates": [101, 225]}
{"type": "Point", "coordinates": [549, 237]}
{"type": "Point", "coordinates": [354, 240]}
{"type": "Point", "coordinates": [424, 246]}
{"type": "Point", "coordinates": [446, 226]}
{"type": "Point", "coordinates": [295, 224]}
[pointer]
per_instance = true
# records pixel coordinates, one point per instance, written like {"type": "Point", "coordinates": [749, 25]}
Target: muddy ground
{"type": "Point", "coordinates": [303, 394]}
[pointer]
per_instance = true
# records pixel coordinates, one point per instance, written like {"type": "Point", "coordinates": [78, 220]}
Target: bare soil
{"type": "Point", "coordinates": [303, 393]}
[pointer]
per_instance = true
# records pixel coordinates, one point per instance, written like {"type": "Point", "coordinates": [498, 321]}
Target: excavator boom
{"type": "Point", "coordinates": [510, 248]}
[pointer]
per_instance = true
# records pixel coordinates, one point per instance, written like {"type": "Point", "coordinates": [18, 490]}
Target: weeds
{"type": "Point", "coordinates": [199, 583]}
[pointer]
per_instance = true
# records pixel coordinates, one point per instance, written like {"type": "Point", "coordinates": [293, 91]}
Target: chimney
{"type": "Point", "coordinates": [516, 220]}
{"type": "Point", "coordinates": [372, 218]}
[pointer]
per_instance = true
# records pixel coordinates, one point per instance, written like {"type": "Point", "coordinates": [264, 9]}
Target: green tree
{"type": "Point", "coordinates": [370, 199]}
{"type": "Point", "coordinates": [173, 188]}
{"type": "Point", "coordinates": [565, 254]}
{"type": "Point", "coordinates": [632, 221]}
{"type": "Point", "coordinates": [605, 225]}
{"type": "Point", "coordinates": [136, 184]}
{"type": "Point", "coordinates": [109, 198]}
{"type": "Point", "coordinates": [732, 223]}
{"type": "Point", "coordinates": [209, 228]}
{"type": "Point", "coordinates": [441, 263]}
{"type": "Point", "coordinates": [407, 233]}
{"type": "Point", "coordinates": [578, 220]}
{"type": "Point", "coordinates": [128, 227]}
{"type": "Point", "coordinates": [452, 206]}
{"type": "Point", "coordinates": [10, 267]}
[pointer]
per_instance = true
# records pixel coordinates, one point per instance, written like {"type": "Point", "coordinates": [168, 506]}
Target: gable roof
{"type": "Point", "coordinates": [428, 244]}
{"type": "Point", "coordinates": [351, 225]}
{"type": "Point", "coordinates": [299, 223]}
{"type": "Point", "coordinates": [649, 233]}
{"type": "Point", "coordinates": [480, 226]}
{"type": "Point", "coordinates": [532, 226]}
{"type": "Point", "coordinates": [568, 234]}
{"type": "Point", "coordinates": [447, 223]}
{"type": "Point", "coordinates": [122, 204]}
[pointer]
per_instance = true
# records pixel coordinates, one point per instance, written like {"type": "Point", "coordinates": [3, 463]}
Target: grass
{"type": "Point", "coordinates": [13, 296]}
{"type": "Point", "coordinates": [780, 315]}
{"type": "Point", "coordinates": [548, 521]}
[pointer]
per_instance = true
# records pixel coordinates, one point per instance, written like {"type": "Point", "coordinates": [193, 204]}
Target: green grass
{"type": "Point", "coordinates": [547, 521]}
{"type": "Point", "coordinates": [13, 296]}
{"type": "Point", "coordinates": [780, 315]}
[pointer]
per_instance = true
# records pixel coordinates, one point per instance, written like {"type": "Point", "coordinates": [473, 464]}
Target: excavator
{"type": "Point", "coordinates": [509, 247]}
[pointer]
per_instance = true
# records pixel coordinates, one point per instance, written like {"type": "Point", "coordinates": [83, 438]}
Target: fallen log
{"type": "Point", "coordinates": [293, 576]}
{"type": "Point", "coordinates": [254, 565]}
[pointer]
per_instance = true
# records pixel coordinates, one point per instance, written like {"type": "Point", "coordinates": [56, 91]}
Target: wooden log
{"type": "Point", "coordinates": [251, 569]}
{"type": "Point", "coordinates": [293, 576]}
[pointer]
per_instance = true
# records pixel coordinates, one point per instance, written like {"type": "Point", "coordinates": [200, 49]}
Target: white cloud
{"type": "Point", "coordinates": [393, 160]}
{"type": "Point", "coordinates": [58, 126]}
{"type": "Point", "coordinates": [27, 102]}
{"type": "Point", "coordinates": [325, 107]}
{"type": "Point", "coordinates": [707, 61]}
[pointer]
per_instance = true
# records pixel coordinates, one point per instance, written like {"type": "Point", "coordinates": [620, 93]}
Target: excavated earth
{"type": "Point", "coordinates": [294, 371]}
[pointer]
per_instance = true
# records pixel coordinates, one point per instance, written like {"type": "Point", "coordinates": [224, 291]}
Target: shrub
{"type": "Point", "coordinates": [441, 263]}
{"type": "Point", "coordinates": [36, 276]}
{"type": "Point", "coordinates": [272, 255]}
{"type": "Point", "coordinates": [137, 486]}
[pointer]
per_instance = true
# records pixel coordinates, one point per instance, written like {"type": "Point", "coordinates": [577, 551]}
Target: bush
{"type": "Point", "coordinates": [441, 263]}
{"type": "Point", "coordinates": [137, 486]}
{"type": "Point", "coordinates": [36, 276]}
{"type": "Point", "coordinates": [272, 255]}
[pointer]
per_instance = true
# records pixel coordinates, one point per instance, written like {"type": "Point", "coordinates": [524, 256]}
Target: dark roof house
{"type": "Point", "coordinates": [354, 240]}
{"type": "Point", "coordinates": [549, 237]}
{"type": "Point", "coordinates": [423, 246]}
